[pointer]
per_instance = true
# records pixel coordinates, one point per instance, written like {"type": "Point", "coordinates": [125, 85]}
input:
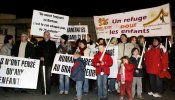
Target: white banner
{"type": "Point", "coordinates": [76, 32]}
{"type": "Point", "coordinates": [148, 22]}
{"type": "Point", "coordinates": [44, 21]}
{"type": "Point", "coordinates": [113, 51]}
{"type": "Point", "coordinates": [64, 62]}
{"type": "Point", "coordinates": [19, 72]}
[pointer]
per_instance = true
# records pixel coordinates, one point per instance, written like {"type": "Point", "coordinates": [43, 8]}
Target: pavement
{"type": "Point", "coordinates": [54, 95]}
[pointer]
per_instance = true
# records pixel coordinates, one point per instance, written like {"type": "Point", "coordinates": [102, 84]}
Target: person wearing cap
{"type": "Point", "coordinates": [112, 84]}
{"type": "Point", "coordinates": [24, 49]}
{"type": "Point", "coordinates": [46, 53]}
{"type": "Point", "coordinates": [64, 48]}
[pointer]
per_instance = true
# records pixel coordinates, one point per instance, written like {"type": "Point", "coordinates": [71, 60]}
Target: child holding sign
{"type": "Point", "coordinates": [125, 77]}
{"type": "Point", "coordinates": [78, 74]}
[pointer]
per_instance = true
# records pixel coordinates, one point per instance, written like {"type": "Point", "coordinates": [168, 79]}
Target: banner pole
{"type": "Point", "coordinates": [141, 55]}
{"type": "Point", "coordinates": [44, 76]}
{"type": "Point", "coordinates": [166, 43]}
{"type": "Point", "coordinates": [105, 50]}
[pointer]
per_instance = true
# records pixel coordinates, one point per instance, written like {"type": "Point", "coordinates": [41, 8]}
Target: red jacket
{"type": "Point", "coordinates": [156, 60]}
{"type": "Point", "coordinates": [129, 70]}
{"type": "Point", "coordinates": [107, 63]}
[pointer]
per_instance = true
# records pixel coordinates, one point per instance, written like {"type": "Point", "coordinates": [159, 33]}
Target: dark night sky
{"type": "Point", "coordinates": [83, 8]}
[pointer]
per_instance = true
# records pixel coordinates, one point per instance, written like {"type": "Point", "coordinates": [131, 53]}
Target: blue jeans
{"type": "Point", "coordinates": [79, 88]}
{"type": "Point", "coordinates": [156, 83]}
{"type": "Point", "coordinates": [86, 85]}
{"type": "Point", "coordinates": [64, 83]}
{"type": "Point", "coordinates": [102, 85]}
{"type": "Point", "coordinates": [112, 84]}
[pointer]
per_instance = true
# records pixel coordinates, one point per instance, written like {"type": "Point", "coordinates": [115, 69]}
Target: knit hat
{"type": "Point", "coordinates": [65, 37]}
{"type": "Point", "coordinates": [113, 39]}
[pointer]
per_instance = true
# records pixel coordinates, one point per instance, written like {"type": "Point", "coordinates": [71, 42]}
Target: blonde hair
{"type": "Point", "coordinates": [77, 54]}
{"type": "Point", "coordinates": [139, 38]}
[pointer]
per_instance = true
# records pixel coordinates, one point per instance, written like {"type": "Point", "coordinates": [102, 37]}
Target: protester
{"type": "Point", "coordinates": [6, 49]}
{"type": "Point", "coordinates": [84, 51]}
{"type": "Point", "coordinates": [24, 49]}
{"type": "Point", "coordinates": [156, 60]}
{"type": "Point", "coordinates": [112, 81]}
{"type": "Point", "coordinates": [137, 81]}
{"type": "Point", "coordinates": [89, 41]}
{"type": "Point", "coordinates": [133, 41]}
{"type": "Point", "coordinates": [124, 48]}
{"type": "Point", "coordinates": [47, 51]}
{"type": "Point", "coordinates": [141, 41]}
{"type": "Point", "coordinates": [125, 77]}
{"type": "Point", "coordinates": [64, 48]}
{"type": "Point", "coordinates": [100, 41]}
{"type": "Point", "coordinates": [145, 79]}
{"type": "Point", "coordinates": [78, 74]}
{"type": "Point", "coordinates": [114, 41]}
{"type": "Point", "coordinates": [102, 71]}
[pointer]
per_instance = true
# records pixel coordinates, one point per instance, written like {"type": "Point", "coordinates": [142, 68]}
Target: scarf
{"type": "Point", "coordinates": [122, 73]}
{"type": "Point", "coordinates": [82, 50]}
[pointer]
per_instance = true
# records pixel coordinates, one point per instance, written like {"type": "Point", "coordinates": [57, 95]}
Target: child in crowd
{"type": "Point", "coordinates": [125, 77]}
{"type": "Point", "coordinates": [135, 58]}
{"type": "Point", "coordinates": [78, 74]}
{"type": "Point", "coordinates": [102, 71]}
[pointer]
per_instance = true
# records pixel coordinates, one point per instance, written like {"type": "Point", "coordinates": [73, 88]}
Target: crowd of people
{"type": "Point", "coordinates": [132, 78]}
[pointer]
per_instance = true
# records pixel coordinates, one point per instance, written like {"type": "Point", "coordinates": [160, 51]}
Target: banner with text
{"type": "Point", "coordinates": [18, 72]}
{"type": "Point", "coordinates": [42, 21]}
{"type": "Point", "coordinates": [148, 22]}
{"type": "Point", "coordinates": [76, 32]}
{"type": "Point", "coordinates": [64, 62]}
{"type": "Point", "coordinates": [113, 51]}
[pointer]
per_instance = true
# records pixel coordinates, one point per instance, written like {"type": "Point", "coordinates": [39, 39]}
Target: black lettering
{"type": "Point", "coordinates": [67, 59]}
{"type": "Point", "coordinates": [2, 61]}
{"type": "Point", "coordinates": [14, 62]}
{"type": "Point", "coordinates": [9, 71]}
{"type": "Point", "coordinates": [66, 69]}
{"type": "Point", "coordinates": [30, 64]}
{"type": "Point", "coordinates": [111, 52]}
{"type": "Point", "coordinates": [7, 61]}
{"type": "Point", "coordinates": [18, 71]}
{"type": "Point", "coordinates": [73, 37]}
{"type": "Point", "coordinates": [88, 61]}
{"type": "Point", "coordinates": [83, 29]}
{"type": "Point", "coordinates": [56, 67]}
{"type": "Point", "coordinates": [90, 73]}
{"type": "Point", "coordinates": [9, 80]}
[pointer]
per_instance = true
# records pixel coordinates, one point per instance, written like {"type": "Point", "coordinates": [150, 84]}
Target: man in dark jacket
{"type": "Point", "coordinates": [47, 51]}
{"type": "Point", "coordinates": [24, 49]}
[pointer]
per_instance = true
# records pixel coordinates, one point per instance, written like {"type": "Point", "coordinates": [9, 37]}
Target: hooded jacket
{"type": "Point", "coordinates": [78, 70]}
